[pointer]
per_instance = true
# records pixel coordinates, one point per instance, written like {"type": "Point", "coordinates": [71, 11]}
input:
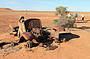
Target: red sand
{"type": "Point", "coordinates": [77, 48]}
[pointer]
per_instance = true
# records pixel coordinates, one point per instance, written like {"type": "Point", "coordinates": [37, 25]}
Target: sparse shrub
{"type": "Point", "coordinates": [64, 20]}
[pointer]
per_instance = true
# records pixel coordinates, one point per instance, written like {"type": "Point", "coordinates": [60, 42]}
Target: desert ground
{"type": "Point", "coordinates": [75, 48]}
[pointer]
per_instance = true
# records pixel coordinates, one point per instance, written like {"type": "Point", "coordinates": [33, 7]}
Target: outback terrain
{"type": "Point", "coordinates": [76, 48]}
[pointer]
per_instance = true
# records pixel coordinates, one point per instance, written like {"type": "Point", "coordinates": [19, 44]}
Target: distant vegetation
{"type": "Point", "coordinates": [64, 20]}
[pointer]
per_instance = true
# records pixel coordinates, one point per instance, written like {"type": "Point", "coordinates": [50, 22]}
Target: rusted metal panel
{"type": "Point", "coordinates": [32, 23]}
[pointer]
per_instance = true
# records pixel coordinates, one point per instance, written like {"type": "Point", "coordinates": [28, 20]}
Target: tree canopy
{"type": "Point", "coordinates": [61, 10]}
{"type": "Point", "coordinates": [64, 20]}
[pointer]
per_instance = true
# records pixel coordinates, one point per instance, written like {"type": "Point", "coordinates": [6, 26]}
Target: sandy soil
{"type": "Point", "coordinates": [76, 48]}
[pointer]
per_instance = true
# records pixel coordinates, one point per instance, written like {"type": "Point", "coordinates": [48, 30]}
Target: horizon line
{"type": "Point", "coordinates": [39, 10]}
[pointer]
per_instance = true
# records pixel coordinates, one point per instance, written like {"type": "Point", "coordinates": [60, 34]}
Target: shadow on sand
{"type": "Point", "coordinates": [80, 21]}
{"type": "Point", "coordinates": [83, 27]}
{"type": "Point", "coordinates": [67, 37]}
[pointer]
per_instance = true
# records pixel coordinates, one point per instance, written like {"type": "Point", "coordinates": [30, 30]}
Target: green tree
{"type": "Point", "coordinates": [63, 20]}
{"type": "Point", "coordinates": [62, 11]}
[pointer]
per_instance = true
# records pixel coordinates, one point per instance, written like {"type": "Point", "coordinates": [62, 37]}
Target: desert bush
{"type": "Point", "coordinates": [60, 21]}
{"type": "Point", "coordinates": [64, 20]}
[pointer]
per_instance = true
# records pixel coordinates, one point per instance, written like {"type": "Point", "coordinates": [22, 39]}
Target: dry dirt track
{"type": "Point", "coordinates": [77, 48]}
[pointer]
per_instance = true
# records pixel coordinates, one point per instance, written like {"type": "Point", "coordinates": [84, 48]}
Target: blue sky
{"type": "Point", "coordinates": [46, 5]}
